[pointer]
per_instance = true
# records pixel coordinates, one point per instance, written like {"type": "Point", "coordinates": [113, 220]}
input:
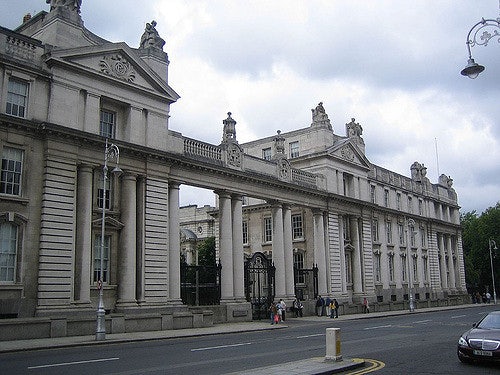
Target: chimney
{"type": "Point", "coordinates": [27, 17]}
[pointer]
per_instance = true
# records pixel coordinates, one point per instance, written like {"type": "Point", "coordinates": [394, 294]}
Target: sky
{"type": "Point", "coordinates": [393, 65]}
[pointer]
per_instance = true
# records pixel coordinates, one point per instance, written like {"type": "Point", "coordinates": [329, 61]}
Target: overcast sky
{"type": "Point", "coordinates": [393, 65]}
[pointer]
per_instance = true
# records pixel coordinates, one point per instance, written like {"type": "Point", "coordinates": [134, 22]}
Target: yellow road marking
{"type": "Point", "coordinates": [374, 365]}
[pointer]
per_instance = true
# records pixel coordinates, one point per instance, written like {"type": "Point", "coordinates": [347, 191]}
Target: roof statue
{"type": "Point", "coordinates": [150, 38]}
{"type": "Point", "coordinates": [279, 146]}
{"type": "Point", "coordinates": [319, 117]}
{"type": "Point", "coordinates": [229, 130]}
{"type": "Point", "coordinates": [354, 131]}
{"type": "Point", "coordinates": [418, 172]}
{"type": "Point", "coordinates": [73, 5]}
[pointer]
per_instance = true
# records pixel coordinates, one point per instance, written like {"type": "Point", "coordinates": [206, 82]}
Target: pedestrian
{"type": "Point", "coordinates": [488, 297]}
{"type": "Point", "coordinates": [331, 308]}
{"type": "Point", "coordinates": [366, 306]}
{"type": "Point", "coordinates": [283, 309]}
{"type": "Point", "coordinates": [328, 302]}
{"type": "Point", "coordinates": [274, 313]}
{"type": "Point", "coordinates": [297, 307]}
{"type": "Point", "coordinates": [320, 304]}
{"type": "Point", "coordinates": [336, 304]}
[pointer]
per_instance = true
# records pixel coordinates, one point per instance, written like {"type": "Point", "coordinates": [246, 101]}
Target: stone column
{"type": "Point", "coordinates": [442, 262]}
{"type": "Point", "coordinates": [451, 264]}
{"type": "Point", "coordinates": [319, 250]}
{"type": "Point", "coordinates": [238, 261]}
{"type": "Point", "coordinates": [278, 250]}
{"type": "Point", "coordinates": [174, 244]}
{"type": "Point", "coordinates": [356, 259]}
{"type": "Point", "coordinates": [83, 234]}
{"type": "Point", "coordinates": [140, 225]}
{"type": "Point", "coordinates": [128, 241]}
{"type": "Point", "coordinates": [225, 246]}
{"type": "Point", "coordinates": [288, 248]}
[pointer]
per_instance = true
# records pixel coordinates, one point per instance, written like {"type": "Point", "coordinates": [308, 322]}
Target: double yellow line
{"type": "Point", "coordinates": [374, 365]}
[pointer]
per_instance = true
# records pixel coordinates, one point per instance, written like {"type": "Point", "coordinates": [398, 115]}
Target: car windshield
{"type": "Point", "coordinates": [490, 321]}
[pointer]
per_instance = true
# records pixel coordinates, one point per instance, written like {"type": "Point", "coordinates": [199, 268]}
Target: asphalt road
{"type": "Point", "coordinates": [406, 344]}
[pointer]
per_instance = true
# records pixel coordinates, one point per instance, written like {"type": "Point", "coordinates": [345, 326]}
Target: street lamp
{"type": "Point", "coordinates": [490, 29]}
{"type": "Point", "coordinates": [493, 245]}
{"type": "Point", "coordinates": [410, 223]}
{"type": "Point", "coordinates": [111, 152]}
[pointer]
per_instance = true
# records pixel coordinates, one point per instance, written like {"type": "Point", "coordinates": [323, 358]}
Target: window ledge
{"type": "Point", "coordinates": [14, 198]}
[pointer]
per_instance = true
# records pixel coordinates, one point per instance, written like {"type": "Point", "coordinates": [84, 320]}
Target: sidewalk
{"type": "Point", "coordinates": [310, 366]}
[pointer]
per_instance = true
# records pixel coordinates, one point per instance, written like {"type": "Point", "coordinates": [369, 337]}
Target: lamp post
{"type": "Point", "coordinates": [111, 152]}
{"type": "Point", "coordinates": [410, 223]}
{"type": "Point", "coordinates": [490, 29]}
{"type": "Point", "coordinates": [493, 246]}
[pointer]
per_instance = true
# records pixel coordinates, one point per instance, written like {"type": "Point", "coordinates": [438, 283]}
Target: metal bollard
{"type": "Point", "coordinates": [333, 344]}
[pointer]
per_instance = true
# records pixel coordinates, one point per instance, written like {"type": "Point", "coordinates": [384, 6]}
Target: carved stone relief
{"type": "Point", "coordinates": [117, 66]}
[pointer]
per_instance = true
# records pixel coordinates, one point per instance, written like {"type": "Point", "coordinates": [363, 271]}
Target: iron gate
{"type": "Point", "coordinates": [200, 285]}
{"type": "Point", "coordinates": [259, 284]}
{"type": "Point", "coordinates": [306, 283]}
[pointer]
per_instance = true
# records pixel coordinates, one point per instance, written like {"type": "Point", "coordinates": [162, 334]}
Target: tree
{"type": "Point", "coordinates": [477, 231]}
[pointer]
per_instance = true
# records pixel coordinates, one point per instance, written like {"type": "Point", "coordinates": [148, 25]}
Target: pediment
{"type": "Point", "coordinates": [115, 61]}
{"type": "Point", "coordinates": [110, 222]}
{"type": "Point", "coordinates": [347, 151]}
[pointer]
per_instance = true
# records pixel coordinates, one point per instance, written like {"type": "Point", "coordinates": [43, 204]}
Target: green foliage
{"type": "Point", "coordinates": [476, 234]}
{"type": "Point", "coordinates": [206, 252]}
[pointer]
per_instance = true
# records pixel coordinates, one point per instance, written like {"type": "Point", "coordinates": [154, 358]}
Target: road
{"type": "Point", "coordinates": [412, 343]}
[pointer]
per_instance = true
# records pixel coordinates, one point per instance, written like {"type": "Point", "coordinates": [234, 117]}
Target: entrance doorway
{"type": "Point", "coordinates": [259, 284]}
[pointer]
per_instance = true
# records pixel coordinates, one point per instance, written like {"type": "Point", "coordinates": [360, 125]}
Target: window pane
{"type": "Point", "coordinates": [8, 251]}
{"type": "Point", "coordinates": [10, 176]}
{"type": "Point", "coordinates": [107, 125]}
{"type": "Point", "coordinates": [97, 258]}
{"type": "Point", "coordinates": [16, 98]}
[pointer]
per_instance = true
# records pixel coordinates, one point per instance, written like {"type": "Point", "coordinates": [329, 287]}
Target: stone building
{"type": "Point", "coordinates": [74, 106]}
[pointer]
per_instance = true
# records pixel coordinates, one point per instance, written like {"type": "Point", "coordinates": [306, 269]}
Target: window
{"type": "Point", "coordinates": [348, 267]}
{"type": "Point", "coordinates": [388, 228]}
{"type": "Point", "coordinates": [403, 268]}
{"type": "Point", "coordinates": [425, 265]}
{"type": "Point", "coordinates": [375, 230]}
{"type": "Point", "coordinates": [297, 229]}
{"type": "Point", "coordinates": [8, 252]}
{"type": "Point", "coordinates": [105, 260]}
{"type": "Point", "coordinates": [398, 201]}
{"type": "Point", "coordinates": [17, 97]}
{"type": "Point", "coordinates": [266, 153]}
{"type": "Point", "coordinates": [107, 124]}
{"type": "Point", "coordinates": [372, 194]}
{"type": "Point", "coordinates": [102, 200]}
{"type": "Point", "coordinates": [12, 162]}
{"type": "Point", "coordinates": [245, 232]}
{"type": "Point", "coordinates": [401, 232]}
{"type": "Point", "coordinates": [268, 229]}
{"type": "Point", "coordinates": [410, 204]}
{"type": "Point", "coordinates": [390, 260]}
{"type": "Point", "coordinates": [412, 236]}
{"type": "Point", "coordinates": [386, 198]}
{"type": "Point", "coordinates": [346, 230]}
{"type": "Point", "coordinates": [414, 263]}
{"type": "Point", "coordinates": [298, 265]}
{"type": "Point", "coordinates": [377, 267]}
{"type": "Point", "coordinates": [420, 207]}
{"type": "Point", "coordinates": [294, 149]}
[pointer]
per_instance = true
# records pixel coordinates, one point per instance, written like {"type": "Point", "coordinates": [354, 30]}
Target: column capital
{"type": "Point", "coordinates": [223, 193]}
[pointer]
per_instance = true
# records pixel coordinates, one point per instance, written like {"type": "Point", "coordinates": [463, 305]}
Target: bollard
{"type": "Point", "coordinates": [333, 344]}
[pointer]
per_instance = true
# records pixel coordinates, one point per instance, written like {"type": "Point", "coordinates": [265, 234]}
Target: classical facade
{"type": "Point", "coordinates": [73, 106]}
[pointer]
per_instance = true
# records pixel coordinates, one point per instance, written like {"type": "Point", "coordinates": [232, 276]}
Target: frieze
{"type": "Point", "coordinates": [117, 66]}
